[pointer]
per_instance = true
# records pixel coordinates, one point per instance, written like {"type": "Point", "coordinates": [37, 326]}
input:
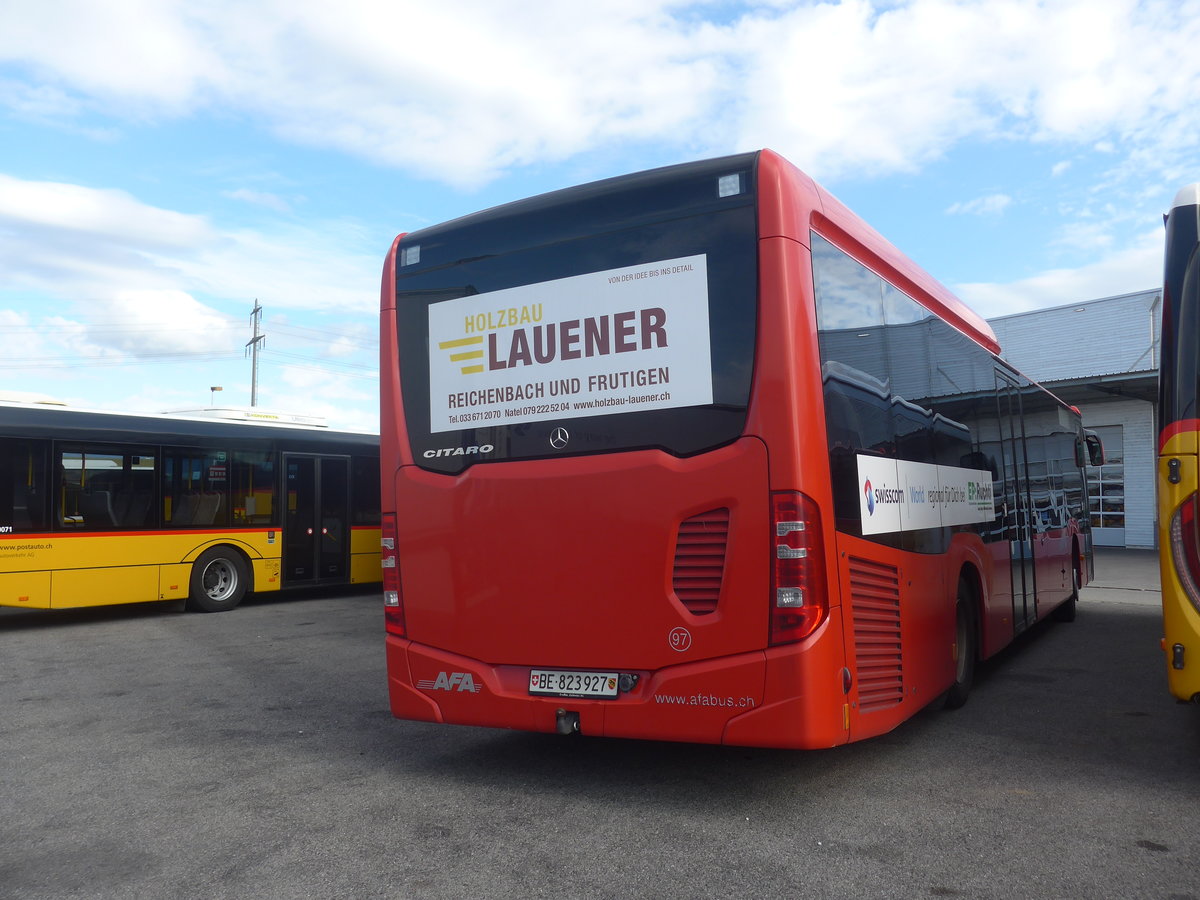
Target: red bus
{"type": "Point", "coordinates": [695, 454]}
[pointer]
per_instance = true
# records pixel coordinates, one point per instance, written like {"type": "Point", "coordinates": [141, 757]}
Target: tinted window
{"type": "Point", "coordinates": [195, 489]}
{"type": "Point", "coordinates": [1179, 379]}
{"type": "Point", "coordinates": [496, 295]}
{"type": "Point", "coordinates": [23, 487]}
{"type": "Point", "coordinates": [899, 384]}
{"type": "Point", "coordinates": [106, 489]}
{"type": "Point", "coordinates": [252, 487]}
{"type": "Point", "coordinates": [364, 481]}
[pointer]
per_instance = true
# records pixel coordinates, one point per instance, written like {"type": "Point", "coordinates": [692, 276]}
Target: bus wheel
{"type": "Point", "coordinates": [964, 647]}
{"type": "Point", "coordinates": [219, 581]}
{"type": "Point", "coordinates": [1066, 612]}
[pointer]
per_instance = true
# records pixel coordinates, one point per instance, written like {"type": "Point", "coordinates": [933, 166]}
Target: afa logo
{"type": "Point", "coordinates": [454, 681]}
{"type": "Point", "coordinates": [870, 495]}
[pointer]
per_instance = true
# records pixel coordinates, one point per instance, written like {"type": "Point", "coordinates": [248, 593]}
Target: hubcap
{"type": "Point", "coordinates": [220, 580]}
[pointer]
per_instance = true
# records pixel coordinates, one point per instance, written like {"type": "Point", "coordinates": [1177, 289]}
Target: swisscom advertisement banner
{"type": "Point", "coordinates": [622, 340]}
{"type": "Point", "coordinates": [897, 495]}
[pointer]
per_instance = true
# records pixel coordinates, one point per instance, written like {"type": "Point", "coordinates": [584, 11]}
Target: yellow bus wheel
{"type": "Point", "coordinates": [220, 579]}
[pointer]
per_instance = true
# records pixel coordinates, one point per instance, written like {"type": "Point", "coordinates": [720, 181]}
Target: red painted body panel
{"type": "Point", "coordinates": [568, 562]}
{"type": "Point", "coordinates": [788, 696]}
{"type": "Point", "coordinates": [394, 450]}
{"type": "Point", "coordinates": [1052, 555]}
{"type": "Point", "coordinates": [996, 619]}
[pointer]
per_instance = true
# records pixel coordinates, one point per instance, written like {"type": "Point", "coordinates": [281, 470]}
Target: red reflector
{"type": "Point", "coordinates": [799, 595]}
{"type": "Point", "coordinates": [393, 600]}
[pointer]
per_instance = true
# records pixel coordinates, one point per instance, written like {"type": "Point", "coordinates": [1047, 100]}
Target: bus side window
{"type": "Point", "coordinates": [195, 487]}
{"type": "Point", "coordinates": [364, 482]}
{"type": "Point", "coordinates": [70, 475]}
{"type": "Point", "coordinates": [22, 486]}
{"type": "Point", "coordinates": [252, 488]}
{"type": "Point", "coordinates": [103, 488]}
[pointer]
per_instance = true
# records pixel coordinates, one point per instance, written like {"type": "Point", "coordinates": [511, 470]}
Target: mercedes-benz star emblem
{"type": "Point", "coordinates": [559, 438]}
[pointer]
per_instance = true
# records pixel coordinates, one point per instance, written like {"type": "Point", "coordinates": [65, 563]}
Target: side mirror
{"type": "Point", "coordinates": [1095, 449]}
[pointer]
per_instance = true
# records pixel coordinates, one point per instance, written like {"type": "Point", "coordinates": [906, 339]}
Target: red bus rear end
{"type": "Point", "coordinates": [611, 492]}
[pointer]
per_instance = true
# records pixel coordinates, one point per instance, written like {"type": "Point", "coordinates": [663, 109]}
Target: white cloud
{"type": "Point", "coordinates": [131, 327]}
{"type": "Point", "coordinates": [466, 89]}
{"type": "Point", "coordinates": [109, 215]}
{"type": "Point", "coordinates": [1135, 268]}
{"type": "Point", "coordinates": [260, 198]}
{"type": "Point", "coordinates": [38, 101]}
{"type": "Point", "coordinates": [853, 86]}
{"type": "Point", "coordinates": [157, 322]}
{"type": "Point", "coordinates": [463, 91]}
{"type": "Point", "coordinates": [839, 88]}
{"type": "Point", "coordinates": [98, 245]}
{"type": "Point", "coordinates": [319, 267]}
{"type": "Point", "coordinates": [351, 401]}
{"type": "Point", "coordinates": [992, 204]}
{"type": "Point", "coordinates": [344, 346]}
{"type": "Point", "coordinates": [1087, 235]}
{"type": "Point", "coordinates": [153, 55]}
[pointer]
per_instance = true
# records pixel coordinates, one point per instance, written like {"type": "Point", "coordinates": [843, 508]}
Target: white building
{"type": "Point", "coordinates": [1102, 356]}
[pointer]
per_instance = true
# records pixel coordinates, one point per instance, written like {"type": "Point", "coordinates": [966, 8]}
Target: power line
{"type": "Point", "coordinates": [322, 336]}
{"type": "Point", "coordinates": [365, 376]}
{"type": "Point", "coordinates": [85, 362]}
{"type": "Point", "coordinates": [300, 332]}
{"type": "Point", "coordinates": [321, 360]}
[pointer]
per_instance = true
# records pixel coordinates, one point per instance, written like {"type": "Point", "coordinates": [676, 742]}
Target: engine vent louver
{"type": "Point", "coordinates": [875, 597]}
{"type": "Point", "coordinates": [700, 560]}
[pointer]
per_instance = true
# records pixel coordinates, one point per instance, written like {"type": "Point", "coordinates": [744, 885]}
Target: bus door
{"type": "Point", "coordinates": [1018, 506]}
{"type": "Point", "coordinates": [316, 533]}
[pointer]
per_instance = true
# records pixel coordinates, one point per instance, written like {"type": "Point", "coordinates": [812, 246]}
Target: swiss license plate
{"type": "Point", "coordinates": [563, 683]}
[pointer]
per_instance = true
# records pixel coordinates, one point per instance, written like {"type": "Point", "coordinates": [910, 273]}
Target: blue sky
{"type": "Point", "coordinates": [165, 164]}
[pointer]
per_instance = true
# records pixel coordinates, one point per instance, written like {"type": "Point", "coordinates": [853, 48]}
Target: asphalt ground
{"type": "Point", "coordinates": [1126, 575]}
{"type": "Point", "coordinates": [146, 753]}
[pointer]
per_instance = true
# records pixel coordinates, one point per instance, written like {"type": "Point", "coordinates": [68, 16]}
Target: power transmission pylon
{"type": "Point", "coordinates": [252, 348]}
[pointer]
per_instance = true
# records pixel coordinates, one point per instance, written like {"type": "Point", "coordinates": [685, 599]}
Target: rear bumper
{"type": "Point", "coordinates": [782, 697]}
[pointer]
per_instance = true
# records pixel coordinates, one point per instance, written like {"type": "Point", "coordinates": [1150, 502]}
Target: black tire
{"type": "Point", "coordinates": [220, 579]}
{"type": "Point", "coordinates": [1066, 612]}
{"type": "Point", "coordinates": [965, 645]}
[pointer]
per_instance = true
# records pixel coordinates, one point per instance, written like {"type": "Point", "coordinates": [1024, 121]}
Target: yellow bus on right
{"type": "Point", "coordinates": [1179, 445]}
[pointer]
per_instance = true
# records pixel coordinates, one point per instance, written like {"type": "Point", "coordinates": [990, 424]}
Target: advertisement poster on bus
{"type": "Point", "coordinates": [622, 340]}
{"type": "Point", "coordinates": [899, 495]}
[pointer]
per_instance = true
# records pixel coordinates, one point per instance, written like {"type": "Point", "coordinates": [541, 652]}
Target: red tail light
{"type": "Point", "coordinates": [393, 601]}
{"type": "Point", "coordinates": [799, 593]}
{"type": "Point", "coordinates": [1185, 547]}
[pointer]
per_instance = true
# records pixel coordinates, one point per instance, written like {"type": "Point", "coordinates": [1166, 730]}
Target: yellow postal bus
{"type": "Point", "coordinates": [101, 508]}
{"type": "Point", "coordinates": [1179, 446]}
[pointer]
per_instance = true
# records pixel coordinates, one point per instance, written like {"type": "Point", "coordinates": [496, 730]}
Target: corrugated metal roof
{"type": "Point", "coordinates": [1110, 336]}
